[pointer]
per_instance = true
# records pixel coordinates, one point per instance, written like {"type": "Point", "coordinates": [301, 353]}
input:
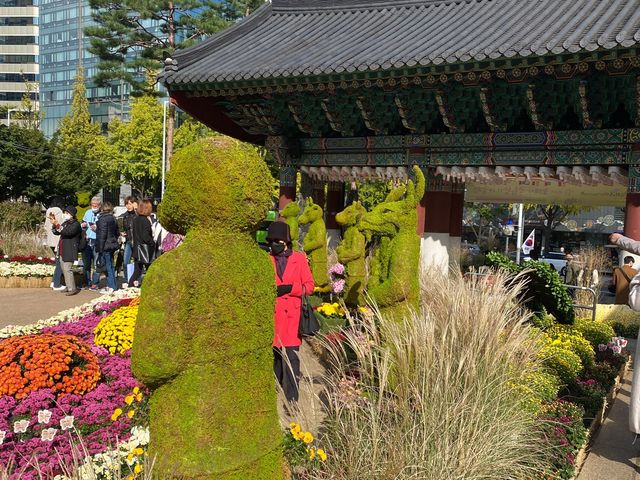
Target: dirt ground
{"type": "Point", "coordinates": [22, 306]}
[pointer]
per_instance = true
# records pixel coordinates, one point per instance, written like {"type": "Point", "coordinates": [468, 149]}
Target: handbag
{"type": "Point", "coordinates": [309, 324]}
{"type": "Point", "coordinates": [145, 253]}
{"type": "Point", "coordinates": [100, 264]}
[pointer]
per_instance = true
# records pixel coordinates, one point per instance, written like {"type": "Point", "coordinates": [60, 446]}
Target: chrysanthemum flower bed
{"type": "Point", "coordinates": [44, 425]}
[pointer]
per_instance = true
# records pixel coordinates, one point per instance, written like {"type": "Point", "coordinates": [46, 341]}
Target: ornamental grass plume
{"type": "Point", "coordinates": [436, 390]}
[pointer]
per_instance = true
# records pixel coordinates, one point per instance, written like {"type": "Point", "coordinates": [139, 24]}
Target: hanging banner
{"type": "Point", "coordinates": [512, 191]}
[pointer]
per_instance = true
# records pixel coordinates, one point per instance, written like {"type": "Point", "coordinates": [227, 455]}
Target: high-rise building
{"type": "Point", "coordinates": [63, 48]}
{"type": "Point", "coordinates": [18, 53]}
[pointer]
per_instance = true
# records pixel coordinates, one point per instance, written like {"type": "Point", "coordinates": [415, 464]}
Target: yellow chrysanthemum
{"type": "Point", "coordinates": [131, 413]}
{"type": "Point", "coordinates": [128, 399]}
{"type": "Point", "coordinates": [137, 469]}
{"type": "Point", "coordinates": [136, 390]}
{"type": "Point", "coordinates": [312, 453]}
{"type": "Point", "coordinates": [307, 438]}
{"type": "Point", "coordinates": [116, 414]}
{"type": "Point", "coordinates": [321, 454]}
{"type": "Point", "coordinates": [115, 331]}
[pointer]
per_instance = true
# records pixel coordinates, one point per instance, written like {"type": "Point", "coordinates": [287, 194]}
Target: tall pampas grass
{"type": "Point", "coordinates": [432, 397]}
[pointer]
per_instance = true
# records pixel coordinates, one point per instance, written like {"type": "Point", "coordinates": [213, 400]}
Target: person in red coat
{"type": "Point", "coordinates": [293, 280]}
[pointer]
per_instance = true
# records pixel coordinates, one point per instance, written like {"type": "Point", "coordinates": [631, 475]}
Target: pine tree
{"type": "Point", "coordinates": [79, 146]}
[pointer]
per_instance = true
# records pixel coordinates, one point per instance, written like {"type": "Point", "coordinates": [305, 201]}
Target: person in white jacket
{"type": "Point", "coordinates": [53, 216]}
{"type": "Point", "coordinates": [632, 246]}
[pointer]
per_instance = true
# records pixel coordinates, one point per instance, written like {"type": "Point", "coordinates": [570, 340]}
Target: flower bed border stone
{"type": "Point", "coordinates": [24, 282]}
{"type": "Point", "coordinates": [594, 428]}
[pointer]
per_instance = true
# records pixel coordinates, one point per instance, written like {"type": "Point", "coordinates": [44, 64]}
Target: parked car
{"type": "Point", "coordinates": [557, 260]}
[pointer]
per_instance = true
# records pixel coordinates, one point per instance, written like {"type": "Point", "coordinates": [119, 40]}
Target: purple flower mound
{"type": "Point", "coordinates": [30, 456]}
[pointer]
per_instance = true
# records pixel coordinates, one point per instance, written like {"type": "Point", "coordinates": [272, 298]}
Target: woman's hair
{"type": "Point", "coordinates": [130, 198]}
{"type": "Point", "coordinates": [145, 207]}
{"type": "Point", "coordinates": [107, 207]}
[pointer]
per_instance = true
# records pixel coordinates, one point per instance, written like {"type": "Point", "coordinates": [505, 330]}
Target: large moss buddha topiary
{"type": "Point", "coordinates": [315, 243]}
{"type": "Point", "coordinates": [351, 252]}
{"type": "Point", "coordinates": [204, 328]}
{"type": "Point", "coordinates": [394, 280]}
{"type": "Point", "coordinates": [290, 213]}
{"type": "Point", "coordinates": [84, 203]}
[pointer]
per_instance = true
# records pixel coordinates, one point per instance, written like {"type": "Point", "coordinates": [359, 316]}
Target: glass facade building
{"type": "Point", "coordinates": [63, 48]}
{"type": "Point", "coordinates": [18, 52]}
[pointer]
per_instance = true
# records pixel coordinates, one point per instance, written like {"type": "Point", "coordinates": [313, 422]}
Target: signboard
{"type": "Point", "coordinates": [512, 191]}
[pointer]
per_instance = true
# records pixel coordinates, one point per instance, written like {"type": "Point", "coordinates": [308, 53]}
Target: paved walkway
{"type": "Point", "coordinates": [22, 306]}
{"type": "Point", "coordinates": [613, 455]}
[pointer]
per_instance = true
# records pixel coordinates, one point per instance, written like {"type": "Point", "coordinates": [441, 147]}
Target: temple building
{"type": "Point", "coordinates": [484, 95]}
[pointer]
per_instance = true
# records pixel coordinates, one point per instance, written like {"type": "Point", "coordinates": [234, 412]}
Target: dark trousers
{"type": "Point", "coordinates": [137, 271]}
{"type": "Point", "coordinates": [287, 370]}
{"type": "Point", "coordinates": [57, 272]}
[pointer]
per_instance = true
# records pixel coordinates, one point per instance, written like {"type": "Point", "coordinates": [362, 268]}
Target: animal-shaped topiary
{"type": "Point", "coordinates": [394, 282]}
{"type": "Point", "coordinates": [315, 243]}
{"type": "Point", "coordinates": [84, 201]}
{"type": "Point", "coordinates": [351, 252]}
{"type": "Point", "coordinates": [290, 214]}
{"type": "Point", "coordinates": [204, 328]}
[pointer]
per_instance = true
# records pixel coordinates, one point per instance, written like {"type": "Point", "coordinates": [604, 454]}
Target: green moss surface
{"type": "Point", "coordinates": [84, 203]}
{"type": "Point", "coordinates": [290, 213]}
{"type": "Point", "coordinates": [394, 279]}
{"type": "Point", "coordinates": [204, 330]}
{"type": "Point", "coordinates": [315, 242]}
{"type": "Point", "coordinates": [352, 253]}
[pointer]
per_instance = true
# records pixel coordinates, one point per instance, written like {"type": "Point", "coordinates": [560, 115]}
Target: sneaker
{"type": "Point", "coordinates": [51, 285]}
{"type": "Point", "coordinates": [93, 288]}
{"type": "Point", "coordinates": [125, 285]}
{"type": "Point", "coordinates": [75, 292]}
{"type": "Point", "coordinates": [59, 289]}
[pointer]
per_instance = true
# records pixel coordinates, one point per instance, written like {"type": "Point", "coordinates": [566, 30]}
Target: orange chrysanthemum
{"type": "Point", "coordinates": [62, 363]}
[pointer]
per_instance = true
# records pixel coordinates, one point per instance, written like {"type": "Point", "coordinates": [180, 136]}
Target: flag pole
{"type": "Point", "coordinates": [520, 231]}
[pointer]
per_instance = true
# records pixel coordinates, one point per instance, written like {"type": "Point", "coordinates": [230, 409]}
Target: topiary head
{"type": "Point", "coordinates": [290, 210]}
{"type": "Point", "coordinates": [351, 215]}
{"type": "Point", "coordinates": [311, 213]}
{"type": "Point", "coordinates": [83, 198]}
{"type": "Point", "coordinates": [397, 211]}
{"type": "Point", "coordinates": [216, 182]}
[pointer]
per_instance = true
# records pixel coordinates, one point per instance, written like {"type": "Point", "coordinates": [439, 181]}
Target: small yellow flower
{"type": "Point", "coordinates": [312, 453]}
{"type": "Point", "coordinates": [130, 477]}
{"type": "Point", "coordinates": [116, 413]}
{"type": "Point", "coordinates": [128, 399]}
{"type": "Point", "coordinates": [137, 469]}
{"type": "Point", "coordinates": [139, 397]}
{"type": "Point", "coordinates": [321, 454]}
{"type": "Point", "coordinates": [130, 457]}
{"type": "Point", "coordinates": [130, 413]}
{"type": "Point", "coordinates": [307, 438]}
{"type": "Point", "coordinates": [136, 390]}
{"type": "Point", "coordinates": [138, 451]}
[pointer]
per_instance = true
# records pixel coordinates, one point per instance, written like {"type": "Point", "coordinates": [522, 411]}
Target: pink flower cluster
{"type": "Point", "coordinates": [336, 272]}
{"type": "Point", "coordinates": [33, 445]}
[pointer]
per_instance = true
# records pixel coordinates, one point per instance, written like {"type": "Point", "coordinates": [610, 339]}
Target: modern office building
{"type": "Point", "coordinates": [18, 53]}
{"type": "Point", "coordinates": [63, 48]}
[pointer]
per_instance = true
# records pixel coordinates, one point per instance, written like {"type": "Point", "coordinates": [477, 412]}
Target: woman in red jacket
{"type": "Point", "coordinates": [293, 280]}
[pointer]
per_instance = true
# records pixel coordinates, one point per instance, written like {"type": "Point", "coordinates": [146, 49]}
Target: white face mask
{"type": "Point", "coordinates": [66, 216]}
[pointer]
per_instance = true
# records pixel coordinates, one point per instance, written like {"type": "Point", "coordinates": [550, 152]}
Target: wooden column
{"type": "Point", "coordinates": [434, 219]}
{"type": "Point", "coordinates": [632, 211]}
{"type": "Point", "coordinates": [335, 204]}
{"type": "Point", "coordinates": [288, 177]}
{"type": "Point", "coordinates": [317, 193]}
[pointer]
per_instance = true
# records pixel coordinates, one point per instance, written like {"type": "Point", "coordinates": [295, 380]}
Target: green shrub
{"type": "Point", "coordinates": [574, 341]}
{"type": "Point", "coordinates": [537, 388]}
{"type": "Point", "coordinates": [595, 332]}
{"type": "Point", "coordinates": [624, 321]}
{"type": "Point", "coordinates": [561, 362]}
{"type": "Point", "coordinates": [545, 291]}
{"type": "Point", "coordinates": [543, 320]}
{"type": "Point", "coordinates": [19, 216]}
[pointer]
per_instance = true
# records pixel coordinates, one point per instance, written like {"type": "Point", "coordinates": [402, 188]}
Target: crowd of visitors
{"type": "Point", "coordinates": [120, 248]}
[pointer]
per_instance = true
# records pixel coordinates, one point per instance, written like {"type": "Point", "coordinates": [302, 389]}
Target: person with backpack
{"type": "Point", "coordinates": [622, 278]}
{"type": "Point", "coordinates": [68, 246]}
{"type": "Point", "coordinates": [107, 243]}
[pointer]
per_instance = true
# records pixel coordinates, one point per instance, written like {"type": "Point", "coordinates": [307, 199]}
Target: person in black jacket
{"type": "Point", "coordinates": [107, 243]}
{"type": "Point", "coordinates": [144, 246]}
{"type": "Point", "coordinates": [68, 246]}
{"type": "Point", "coordinates": [127, 232]}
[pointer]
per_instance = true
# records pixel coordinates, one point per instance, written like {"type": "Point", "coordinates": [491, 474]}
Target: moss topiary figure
{"type": "Point", "coordinates": [351, 252]}
{"type": "Point", "coordinates": [204, 328]}
{"type": "Point", "coordinates": [393, 282]}
{"type": "Point", "coordinates": [290, 214]}
{"type": "Point", "coordinates": [84, 202]}
{"type": "Point", "coordinates": [315, 243]}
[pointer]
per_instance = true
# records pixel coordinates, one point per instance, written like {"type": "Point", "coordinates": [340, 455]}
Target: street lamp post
{"type": "Point", "coordinates": [164, 145]}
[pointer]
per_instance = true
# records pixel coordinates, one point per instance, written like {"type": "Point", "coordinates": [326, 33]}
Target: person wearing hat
{"type": "Point", "coordinates": [69, 245]}
{"type": "Point", "coordinates": [293, 281]}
